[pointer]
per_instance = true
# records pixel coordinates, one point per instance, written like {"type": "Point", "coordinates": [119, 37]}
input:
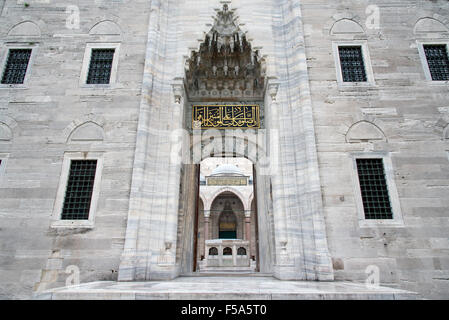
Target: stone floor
{"type": "Point", "coordinates": [224, 288]}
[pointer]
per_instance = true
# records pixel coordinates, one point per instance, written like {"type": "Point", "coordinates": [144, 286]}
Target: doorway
{"type": "Point", "coordinates": [227, 221]}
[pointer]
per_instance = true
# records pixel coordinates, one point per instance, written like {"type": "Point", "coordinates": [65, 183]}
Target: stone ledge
{"type": "Point", "coordinates": [224, 288]}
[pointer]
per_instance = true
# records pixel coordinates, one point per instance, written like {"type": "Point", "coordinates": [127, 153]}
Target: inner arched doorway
{"type": "Point", "coordinates": [227, 223]}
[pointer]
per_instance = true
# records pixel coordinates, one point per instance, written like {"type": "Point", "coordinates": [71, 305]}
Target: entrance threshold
{"type": "Point", "coordinates": [227, 274]}
{"type": "Point", "coordinates": [225, 288]}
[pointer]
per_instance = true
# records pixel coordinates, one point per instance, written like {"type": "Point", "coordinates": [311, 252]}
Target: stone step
{"type": "Point", "coordinates": [224, 288]}
{"type": "Point", "coordinates": [242, 273]}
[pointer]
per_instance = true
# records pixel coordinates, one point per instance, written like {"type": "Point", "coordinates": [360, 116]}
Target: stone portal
{"type": "Point", "coordinates": [165, 203]}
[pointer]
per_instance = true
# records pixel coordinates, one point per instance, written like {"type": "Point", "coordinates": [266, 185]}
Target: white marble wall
{"type": "Point", "coordinates": [411, 114]}
{"type": "Point", "coordinates": [308, 206]}
{"type": "Point", "coordinates": [42, 116]}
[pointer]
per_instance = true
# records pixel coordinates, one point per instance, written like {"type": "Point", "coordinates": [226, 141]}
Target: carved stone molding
{"type": "Point", "coordinates": [225, 66]}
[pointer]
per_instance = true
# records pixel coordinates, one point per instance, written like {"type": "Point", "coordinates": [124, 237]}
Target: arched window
{"type": "Point", "coordinates": [241, 251]}
{"type": "Point", "coordinates": [227, 251]}
{"type": "Point", "coordinates": [213, 251]}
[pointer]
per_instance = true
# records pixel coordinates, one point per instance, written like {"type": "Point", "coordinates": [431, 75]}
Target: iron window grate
{"type": "Point", "coordinates": [438, 61]}
{"type": "Point", "coordinates": [352, 66]}
{"type": "Point", "coordinates": [16, 66]}
{"type": "Point", "coordinates": [374, 189]}
{"type": "Point", "coordinates": [79, 190]}
{"type": "Point", "coordinates": [100, 66]}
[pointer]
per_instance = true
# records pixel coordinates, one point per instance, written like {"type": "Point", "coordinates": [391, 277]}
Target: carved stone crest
{"type": "Point", "coordinates": [225, 66]}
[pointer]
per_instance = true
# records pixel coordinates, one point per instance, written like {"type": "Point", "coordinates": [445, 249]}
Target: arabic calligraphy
{"type": "Point", "coordinates": [226, 181]}
{"type": "Point", "coordinates": [224, 117]}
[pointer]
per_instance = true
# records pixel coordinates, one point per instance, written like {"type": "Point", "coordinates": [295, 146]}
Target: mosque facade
{"type": "Point", "coordinates": [301, 140]}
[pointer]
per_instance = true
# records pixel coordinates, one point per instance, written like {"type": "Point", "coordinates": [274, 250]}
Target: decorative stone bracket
{"type": "Point", "coordinates": [166, 258]}
{"type": "Point", "coordinates": [178, 90]}
{"type": "Point", "coordinates": [284, 258]}
{"type": "Point", "coordinates": [273, 88]}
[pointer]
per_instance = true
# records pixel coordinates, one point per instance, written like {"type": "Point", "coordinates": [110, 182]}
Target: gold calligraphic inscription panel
{"type": "Point", "coordinates": [226, 181]}
{"type": "Point", "coordinates": [227, 226]}
{"type": "Point", "coordinates": [226, 116]}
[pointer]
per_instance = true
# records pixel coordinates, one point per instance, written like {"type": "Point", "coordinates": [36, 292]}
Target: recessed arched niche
{"type": "Point", "coordinates": [346, 26]}
{"type": "Point", "coordinates": [25, 29]}
{"type": "Point", "coordinates": [106, 27]}
{"type": "Point", "coordinates": [86, 132]}
{"type": "Point", "coordinates": [5, 132]}
{"type": "Point", "coordinates": [364, 131]}
{"type": "Point", "coordinates": [430, 25]}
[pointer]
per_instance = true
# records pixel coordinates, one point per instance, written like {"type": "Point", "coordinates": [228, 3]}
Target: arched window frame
{"type": "Point", "coordinates": [227, 251]}
{"type": "Point", "coordinates": [241, 251]}
{"type": "Point", "coordinates": [213, 251]}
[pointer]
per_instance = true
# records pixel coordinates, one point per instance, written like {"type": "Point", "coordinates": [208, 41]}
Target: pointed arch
{"type": "Point", "coordinates": [203, 200]}
{"type": "Point", "coordinates": [106, 27]}
{"type": "Point", "coordinates": [89, 118]}
{"type": "Point", "coordinates": [429, 25]}
{"type": "Point", "coordinates": [346, 26]}
{"type": "Point", "coordinates": [5, 132]}
{"type": "Point", "coordinates": [25, 29]}
{"type": "Point", "coordinates": [227, 189]}
{"type": "Point", "coordinates": [363, 131]}
{"type": "Point", "coordinates": [344, 21]}
{"type": "Point", "coordinates": [88, 131]}
{"type": "Point", "coordinates": [8, 128]}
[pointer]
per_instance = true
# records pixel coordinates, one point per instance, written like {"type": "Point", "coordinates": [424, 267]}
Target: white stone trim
{"type": "Point", "coordinates": [424, 63]}
{"type": "Point", "coordinates": [59, 202]}
{"type": "Point", "coordinates": [86, 64]}
{"type": "Point", "coordinates": [366, 61]}
{"type": "Point", "coordinates": [4, 56]}
{"type": "Point", "coordinates": [397, 220]}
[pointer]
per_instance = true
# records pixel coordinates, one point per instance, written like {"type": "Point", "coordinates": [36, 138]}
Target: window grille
{"type": "Point", "coordinates": [16, 66]}
{"type": "Point", "coordinates": [227, 251]}
{"type": "Point", "coordinates": [438, 61]}
{"type": "Point", "coordinates": [100, 66]}
{"type": "Point", "coordinates": [213, 251]}
{"type": "Point", "coordinates": [373, 186]}
{"type": "Point", "coordinates": [352, 66]}
{"type": "Point", "coordinates": [241, 251]}
{"type": "Point", "coordinates": [79, 190]}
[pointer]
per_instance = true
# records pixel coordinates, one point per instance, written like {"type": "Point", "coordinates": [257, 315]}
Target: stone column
{"type": "Point", "coordinates": [301, 247]}
{"type": "Point", "coordinates": [220, 255]}
{"type": "Point", "coordinates": [143, 239]}
{"type": "Point", "coordinates": [248, 230]}
{"type": "Point", "coordinates": [206, 228]}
